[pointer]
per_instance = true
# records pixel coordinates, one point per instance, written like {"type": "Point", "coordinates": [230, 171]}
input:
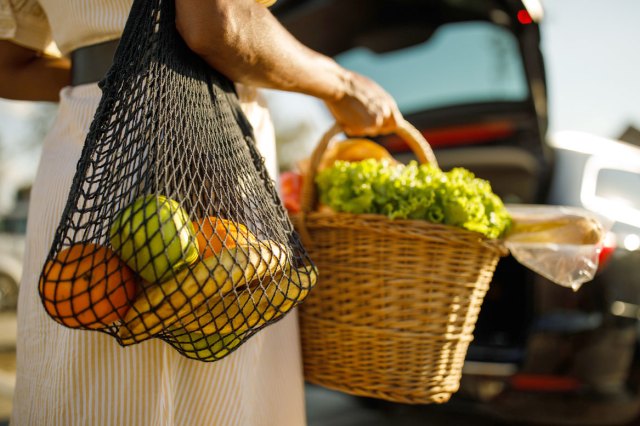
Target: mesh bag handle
{"type": "Point", "coordinates": [417, 143]}
{"type": "Point", "coordinates": [173, 228]}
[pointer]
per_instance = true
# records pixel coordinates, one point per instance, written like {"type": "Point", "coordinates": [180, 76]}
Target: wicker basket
{"type": "Point", "coordinates": [397, 300]}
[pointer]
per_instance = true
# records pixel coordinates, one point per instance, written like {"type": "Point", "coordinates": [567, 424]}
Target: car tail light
{"type": "Point", "coordinates": [524, 18]}
{"type": "Point", "coordinates": [608, 247]}
{"type": "Point", "coordinates": [468, 134]}
{"type": "Point", "coordinates": [544, 383]}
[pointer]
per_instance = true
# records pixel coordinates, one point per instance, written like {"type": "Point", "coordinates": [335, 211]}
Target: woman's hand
{"type": "Point", "coordinates": [365, 108]}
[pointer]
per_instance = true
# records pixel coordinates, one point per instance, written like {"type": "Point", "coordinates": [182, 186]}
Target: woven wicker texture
{"type": "Point", "coordinates": [397, 300]}
{"type": "Point", "coordinates": [173, 228]}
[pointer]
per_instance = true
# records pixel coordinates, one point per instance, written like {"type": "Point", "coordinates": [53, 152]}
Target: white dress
{"type": "Point", "coordinates": [71, 377]}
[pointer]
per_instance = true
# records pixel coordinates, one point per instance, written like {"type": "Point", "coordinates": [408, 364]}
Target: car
{"type": "Point", "coordinates": [581, 355]}
{"type": "Point", "coordinates": [12, 245]}
{"type": "Point", "coordinates": [11, 248]}
{"type": "Point", "coordinates": [470, 75]}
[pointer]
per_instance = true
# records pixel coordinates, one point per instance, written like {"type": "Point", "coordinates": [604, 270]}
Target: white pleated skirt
{"type": "Point", "coordinates": [71, 377]}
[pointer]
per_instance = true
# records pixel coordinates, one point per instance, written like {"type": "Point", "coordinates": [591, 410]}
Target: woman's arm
{"type": "Point", "coordinates": [28, 75]}
{"type": "Point", "coordinates": [245, 42]}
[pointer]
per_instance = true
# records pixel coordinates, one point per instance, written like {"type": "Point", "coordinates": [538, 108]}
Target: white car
{"type": "Point", "coordinates": [584, 345]}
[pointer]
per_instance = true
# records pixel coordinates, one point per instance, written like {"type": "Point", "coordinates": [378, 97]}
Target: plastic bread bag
{"type": "Point", "coordinates": [560, 243]}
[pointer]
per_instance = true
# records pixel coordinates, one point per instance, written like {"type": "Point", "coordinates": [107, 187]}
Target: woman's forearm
{"type": "Point", "coordinates": [29, 76]}
{"type": "Point", "coordinates": [242, 40]}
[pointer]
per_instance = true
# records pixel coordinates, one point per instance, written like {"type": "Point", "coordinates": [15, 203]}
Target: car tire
{"type": "Point", "coordinates": [8, 292]}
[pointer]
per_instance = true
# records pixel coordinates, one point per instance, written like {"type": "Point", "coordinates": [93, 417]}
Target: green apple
{"type": "Point", "coordinates": [155, 237]}
{"type": "Point", "coordinates": [206, 348]}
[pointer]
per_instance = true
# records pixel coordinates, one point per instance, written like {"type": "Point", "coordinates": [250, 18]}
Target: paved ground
{"type": "Point", "coordinates": [7, 379]}
{"type": "Point", "coordinates": [328, 408]}
{"type": "Point", "coordinates": [7, 362]}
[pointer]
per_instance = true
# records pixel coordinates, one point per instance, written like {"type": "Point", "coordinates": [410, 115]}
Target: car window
{"type": "Point", "coordinates": [13, 225]}
{"type": "Point", "coordinates": [463, 62]}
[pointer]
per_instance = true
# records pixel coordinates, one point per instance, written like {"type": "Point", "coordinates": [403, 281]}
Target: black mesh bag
{"type": "Point", "coordinates": [173, 228]}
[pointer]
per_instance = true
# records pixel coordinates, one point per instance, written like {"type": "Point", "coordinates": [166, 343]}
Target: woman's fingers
{"type": "Point", "coordinates": [366, 109]}
{"type": "Point", "coordinates": [380, 119]}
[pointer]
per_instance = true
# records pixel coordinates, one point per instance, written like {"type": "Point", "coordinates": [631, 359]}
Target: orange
{"type": "Point", "coordinates": [355, 149]}
{"type": "Point", "coordinates": [214, 234]}
{"type": "Point", "coordinates": [87, 286]}
{"type": "Point", "coordinates": [291, 190]}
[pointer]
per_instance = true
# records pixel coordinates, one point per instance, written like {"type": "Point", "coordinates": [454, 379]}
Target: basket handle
{"type": "Point", "coordinates": [405, 130]}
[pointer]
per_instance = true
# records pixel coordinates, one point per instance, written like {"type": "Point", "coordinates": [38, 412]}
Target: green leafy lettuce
{"type": "Point", "coordinates": [414, 191]}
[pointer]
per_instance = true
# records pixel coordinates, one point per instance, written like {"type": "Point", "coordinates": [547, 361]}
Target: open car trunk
{"type": "Point", "coordinates": [489, 120]}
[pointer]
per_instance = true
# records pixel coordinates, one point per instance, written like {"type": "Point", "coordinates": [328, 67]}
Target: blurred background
{"type": "Point", "coordinates": [538, 97]}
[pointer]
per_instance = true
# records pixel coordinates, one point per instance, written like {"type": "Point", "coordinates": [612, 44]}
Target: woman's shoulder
{"type": "Point", "coordinates": [24, 22]}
